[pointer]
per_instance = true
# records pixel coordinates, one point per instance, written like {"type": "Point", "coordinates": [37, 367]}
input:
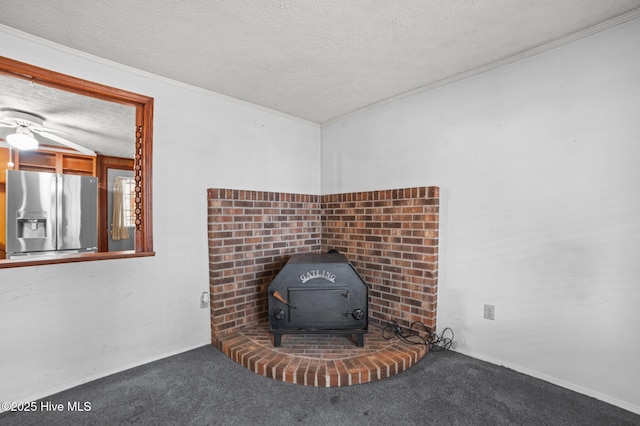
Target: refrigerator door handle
{"type": "Point", "coordinates": [56, 195]}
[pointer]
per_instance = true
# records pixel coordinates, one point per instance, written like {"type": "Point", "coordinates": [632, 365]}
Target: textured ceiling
{"type": "Point", "coordinates": [314, 59]}
{"type": "Point", "coordinates": [104, 127]}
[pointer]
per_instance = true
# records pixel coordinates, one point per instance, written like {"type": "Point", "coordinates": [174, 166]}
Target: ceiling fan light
{"type": "Point", "coordinates": [22, 140]}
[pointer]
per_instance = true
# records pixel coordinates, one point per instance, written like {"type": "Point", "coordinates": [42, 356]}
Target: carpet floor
{"type": "Point", "coordinates": [204, 387]}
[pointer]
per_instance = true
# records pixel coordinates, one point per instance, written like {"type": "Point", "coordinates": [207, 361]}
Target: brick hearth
{"type": "Point", "coordinates": [390, 237]}
{"type": "Point", "coordinates": [318, 359]}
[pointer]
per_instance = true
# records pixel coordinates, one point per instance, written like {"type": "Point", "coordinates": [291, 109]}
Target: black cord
{"type": "Point", "coordinates": [410, 335]}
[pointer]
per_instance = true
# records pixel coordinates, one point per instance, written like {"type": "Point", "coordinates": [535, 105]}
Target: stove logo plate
{"type": "Point", "coordinates": [329, 276]}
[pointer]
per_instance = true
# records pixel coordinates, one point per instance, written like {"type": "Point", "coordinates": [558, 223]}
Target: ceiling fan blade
{"type": "Point", "coordinates": [8, 122]}
{"type": "Point", "coordinates": [66, 142]}
{"type": "Point", "coordinates": [40, 130]}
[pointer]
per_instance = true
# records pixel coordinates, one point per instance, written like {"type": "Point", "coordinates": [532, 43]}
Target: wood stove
{"type": "Point", "coordinates": [318, 293]}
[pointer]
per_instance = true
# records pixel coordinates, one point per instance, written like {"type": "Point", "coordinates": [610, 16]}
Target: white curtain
{"type": "Point", "coordinates": [119, 229]}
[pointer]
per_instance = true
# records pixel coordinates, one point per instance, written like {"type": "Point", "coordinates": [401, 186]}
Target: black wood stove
{"type": "Point", "coordinates": [318, 293]}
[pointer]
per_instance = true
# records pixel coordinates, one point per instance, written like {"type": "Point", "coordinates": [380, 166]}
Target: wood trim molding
{"type": "Point", "coordinates": [144, 144]}
{"type": "Point", "coordinates": [104, 164]}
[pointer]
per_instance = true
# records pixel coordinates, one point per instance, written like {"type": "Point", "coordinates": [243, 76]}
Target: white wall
{"type": "Point", "coordinates": [61, 325]}
{"type": "Point", "coordinates": [538, 164]}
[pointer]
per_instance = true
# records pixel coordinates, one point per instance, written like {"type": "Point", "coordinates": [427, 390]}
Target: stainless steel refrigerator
{"type": "Point", "coordinates": [49, 214]}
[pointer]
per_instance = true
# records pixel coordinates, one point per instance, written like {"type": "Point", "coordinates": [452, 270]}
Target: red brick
{"type": "Point", "coordinates": [355, 223]}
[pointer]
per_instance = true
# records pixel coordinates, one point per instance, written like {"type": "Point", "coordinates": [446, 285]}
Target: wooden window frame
{"type": "Point", "coordinates": [142, 161]}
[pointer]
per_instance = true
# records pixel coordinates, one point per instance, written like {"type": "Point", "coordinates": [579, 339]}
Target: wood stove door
{"type": "Point", "coordinates": [323, 307]}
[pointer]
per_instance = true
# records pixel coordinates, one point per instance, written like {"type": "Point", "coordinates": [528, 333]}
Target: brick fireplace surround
{"type": "Point", "coordinates": [390, 237]}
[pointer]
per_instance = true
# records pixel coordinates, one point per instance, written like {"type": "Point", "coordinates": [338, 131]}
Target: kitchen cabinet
{"type": "Point", "coordinates": [55, 162]}
{"type": "Point", "coordinates": [4, 159]}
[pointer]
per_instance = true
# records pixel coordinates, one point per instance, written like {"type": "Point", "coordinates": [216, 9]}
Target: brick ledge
{"type": "Point", "coordinates": [317, 359]}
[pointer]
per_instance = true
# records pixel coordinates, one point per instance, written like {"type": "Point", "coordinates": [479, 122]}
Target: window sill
{"type": "Point", "coordinates": [73, 258]}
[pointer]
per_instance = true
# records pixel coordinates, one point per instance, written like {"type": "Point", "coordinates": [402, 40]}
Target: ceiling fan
{"type": "Point", "coordinates": [26, 124]}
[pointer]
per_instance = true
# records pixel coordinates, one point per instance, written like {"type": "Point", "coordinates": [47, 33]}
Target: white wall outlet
{"type": "Point", "coordinates": [204, 300]}
{"type": "Point", "coordinates": [489, 312]}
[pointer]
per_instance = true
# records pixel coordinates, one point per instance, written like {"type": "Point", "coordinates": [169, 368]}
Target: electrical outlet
{"type": "Point", "coordinates": [204, 300]}
{"type": "Point", "coordinates": [489, 312]}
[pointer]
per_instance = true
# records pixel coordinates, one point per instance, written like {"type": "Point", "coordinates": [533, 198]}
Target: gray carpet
{"type": "Point", "coordinates": [204, 387]}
